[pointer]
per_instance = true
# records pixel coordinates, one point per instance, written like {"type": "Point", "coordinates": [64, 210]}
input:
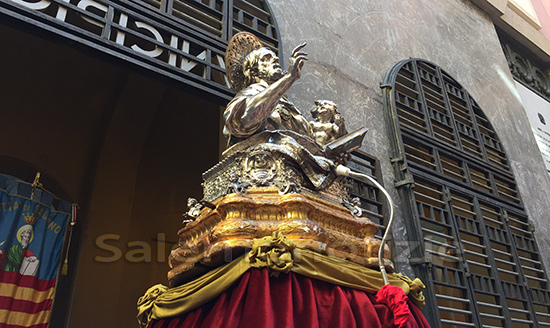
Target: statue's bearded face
{"type": "Point", "coordinates": [268, 66]}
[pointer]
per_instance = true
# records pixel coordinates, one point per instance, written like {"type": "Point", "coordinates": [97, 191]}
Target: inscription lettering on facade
{"type": "Point", "coordinates": [144, 34]}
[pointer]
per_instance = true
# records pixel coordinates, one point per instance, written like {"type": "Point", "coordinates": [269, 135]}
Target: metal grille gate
{"type": "Point", "coordinates": [184, 40]}
{"type": "Point", "coordinates": [372, 200]}
{"type": "Point", "coordinates": [478, 255]}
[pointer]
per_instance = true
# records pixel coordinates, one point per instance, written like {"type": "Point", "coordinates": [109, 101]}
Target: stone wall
{"type": "Point", "coordinates": [352, 44]}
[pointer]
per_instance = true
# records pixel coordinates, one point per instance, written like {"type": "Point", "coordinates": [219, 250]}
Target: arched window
{"type": "Point", "coordinates": [478, 255]}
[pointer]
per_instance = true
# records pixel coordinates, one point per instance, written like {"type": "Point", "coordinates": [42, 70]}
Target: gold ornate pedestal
{"type": "Point", "coordinates": [221, 234]}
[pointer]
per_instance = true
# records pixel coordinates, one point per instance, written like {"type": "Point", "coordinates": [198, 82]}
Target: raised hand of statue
{"type": "Point", "coordinates": [297, 60]}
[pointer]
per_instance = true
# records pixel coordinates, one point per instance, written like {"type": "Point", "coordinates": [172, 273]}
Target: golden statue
{"type": "Point", "coordinates": [279, 173]}
{"type": "Point", "coordinates": [260, 113]}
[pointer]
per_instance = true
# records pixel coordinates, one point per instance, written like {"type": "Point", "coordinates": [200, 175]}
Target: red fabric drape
{"type": "Point", "coordinates": [396, 300]}
{"type": "Point", "coordinates": [292, 301]}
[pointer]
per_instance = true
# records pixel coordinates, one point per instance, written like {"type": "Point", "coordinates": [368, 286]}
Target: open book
{"type": "Point", "coordinates": [346, 143]}
{"type": "Point", "coordinates": [28, 267]}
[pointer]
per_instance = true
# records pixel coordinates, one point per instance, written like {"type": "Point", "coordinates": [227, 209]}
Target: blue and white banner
{"type": "Point", "coordinates": [32, 233]}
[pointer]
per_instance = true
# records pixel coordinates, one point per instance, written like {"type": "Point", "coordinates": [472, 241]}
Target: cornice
{"type": "Point", "coordinates": [532, 76]}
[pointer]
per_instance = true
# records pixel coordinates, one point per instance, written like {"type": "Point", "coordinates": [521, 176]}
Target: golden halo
{"type": "Point", "coordinates": [240, 45]}
{"type": "Point", "coordinates": [23, 228]}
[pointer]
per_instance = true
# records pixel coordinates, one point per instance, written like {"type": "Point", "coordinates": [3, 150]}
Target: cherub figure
{"type": "Point", "coordinates": [194, 210]}
{"type": "Point", "coordinates": [327, 123]}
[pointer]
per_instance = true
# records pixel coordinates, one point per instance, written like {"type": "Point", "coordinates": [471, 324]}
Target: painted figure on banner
{"type": "Point", "coordinates": [18, 257]}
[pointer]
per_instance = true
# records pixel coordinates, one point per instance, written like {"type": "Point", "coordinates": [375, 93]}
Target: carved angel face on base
{"type": "Point", "coordinates": [262, 64]}
{"type": "Point", "coordinates": [261, 168]}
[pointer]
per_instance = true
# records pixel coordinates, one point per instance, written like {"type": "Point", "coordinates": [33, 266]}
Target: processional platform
{"type": "Point", "coordinates": [277, 214]}
{"type": "Point", "coordinates": [225, 232]}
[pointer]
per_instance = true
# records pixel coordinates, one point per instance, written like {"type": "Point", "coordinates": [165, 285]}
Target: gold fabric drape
{"type": "Point", "coordinates": [278, 254]}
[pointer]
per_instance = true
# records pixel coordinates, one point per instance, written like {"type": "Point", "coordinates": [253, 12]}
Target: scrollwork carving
{"type": "Point", "coordinates": [354, 205]}
{"type": "Point", "coordinates": [236, 184]}
{"type": "Point", "coordinates": [291, 184]}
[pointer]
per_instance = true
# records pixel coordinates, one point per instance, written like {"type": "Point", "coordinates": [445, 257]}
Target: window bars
{"type": "Point", "coordinates": [478, 258]}
{"type": "Point", "coordinates": [370, 197]}
{"type": "Point", "coordinates": [184, 40]}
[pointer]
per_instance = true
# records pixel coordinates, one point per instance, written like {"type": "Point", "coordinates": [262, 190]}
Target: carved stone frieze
{"type": "Point", "coordinates": [534, 77]}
